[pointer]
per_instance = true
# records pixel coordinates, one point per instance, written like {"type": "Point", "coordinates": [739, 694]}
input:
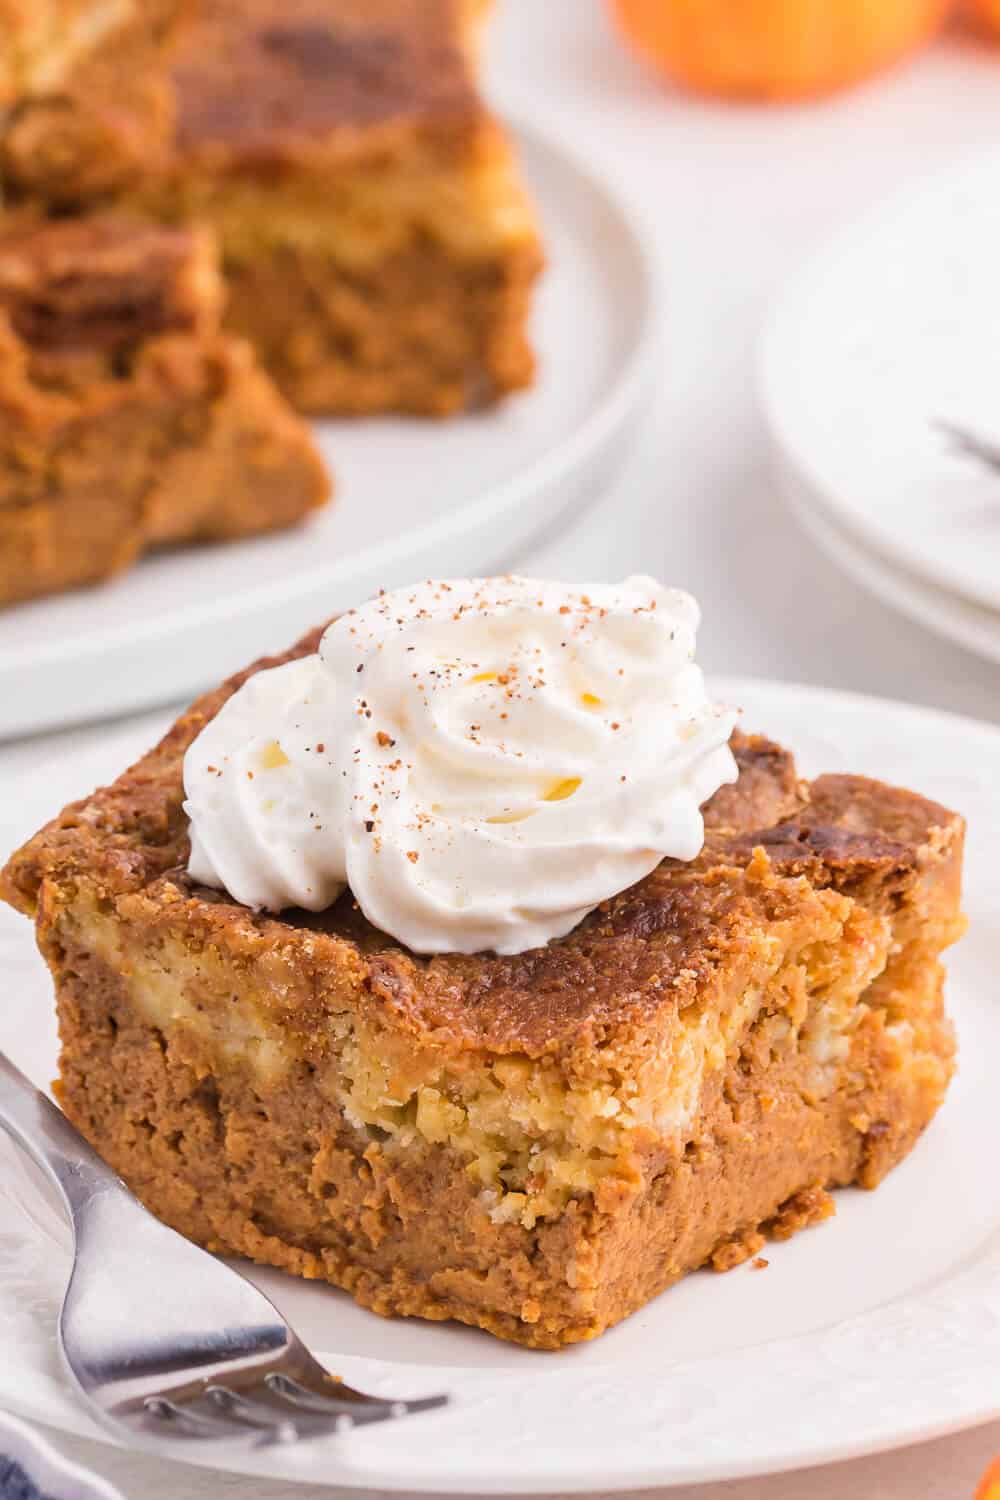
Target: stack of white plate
{"type": "Point", "coordinates": [880, 349]}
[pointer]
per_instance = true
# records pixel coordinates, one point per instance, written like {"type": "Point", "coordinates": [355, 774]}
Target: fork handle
{"type": "Point", "coordinates": [44, 1133]}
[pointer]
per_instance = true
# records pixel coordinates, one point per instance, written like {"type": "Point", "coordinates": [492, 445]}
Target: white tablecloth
{"type": "Point", "coordinates": [736, 198]}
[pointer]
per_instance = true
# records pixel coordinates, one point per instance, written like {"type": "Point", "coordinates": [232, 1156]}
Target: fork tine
{"type": "Point", "coordinates": [253, 1413]}
{"type": "Point", "coordinates": [339, 1399]}
{"type": "Point", "coordinates": [311, 1379]}
{"type": "Point", "coordinates": [191, 1423]}
{"type": "Point", "coordinates": [359, 1408]}
{"type": "Point", "coordinates": [293, 1412]}
{"type": "Point", "coordinates": [274, 1408]}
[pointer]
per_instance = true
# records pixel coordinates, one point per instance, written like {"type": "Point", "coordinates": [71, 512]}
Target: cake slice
{"type": "Point", "coordinates": [85, 99]}
{"type": "Point", "coordinates": [127, 419]}
{"type": "Point", "coordinates": [379, 249]}
{"type": "Point", "coordinates": [538, 1144]}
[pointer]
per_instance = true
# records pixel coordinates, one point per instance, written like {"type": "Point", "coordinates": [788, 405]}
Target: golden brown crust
{"type": "Point", "coordinates": [767, 792]}
{"type": "Point", "coordinates": [260, 82]}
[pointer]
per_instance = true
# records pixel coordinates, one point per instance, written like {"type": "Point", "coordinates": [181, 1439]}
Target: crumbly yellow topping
{"type": "Point", "coordinates": [530, 1138]}
{"type": "Point", "coordinates": [358, 216]}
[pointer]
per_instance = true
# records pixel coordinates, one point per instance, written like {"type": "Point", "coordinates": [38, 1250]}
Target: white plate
{"type": "Point", "coordinates": [415, 497]}
{"type": "Point", "coordinates": [891, 331]}
{"type": "Point", "coordinates": [961, 620]}
{"type": "Point", "coordinates": [879, 1329]}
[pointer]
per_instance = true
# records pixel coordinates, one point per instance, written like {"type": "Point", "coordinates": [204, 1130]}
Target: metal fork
{"type": "Point", "coordinates": [164, 1342]}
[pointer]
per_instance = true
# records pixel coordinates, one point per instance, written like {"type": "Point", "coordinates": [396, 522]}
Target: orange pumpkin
{"type": "Point", "coordinates": [989, 1488]}
{"type": "Point", "coordinates": [986, 14]}
{"type": "Point", "coordinates": [777, 49]}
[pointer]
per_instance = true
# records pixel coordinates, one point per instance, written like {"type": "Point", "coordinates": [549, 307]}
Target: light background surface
{"type": "Point", "coordinates": [736, 199]}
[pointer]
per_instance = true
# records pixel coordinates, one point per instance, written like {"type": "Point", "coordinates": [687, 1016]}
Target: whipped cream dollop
{"type": "Point", "coordinates": [481, 761]}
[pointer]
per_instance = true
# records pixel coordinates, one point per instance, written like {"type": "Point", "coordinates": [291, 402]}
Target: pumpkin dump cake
{"type": "Point", "coordinates": [127, 419]}
{"type": "Point", "coordinates": [378, 246]}
{"type": "Point", "coordinates": [538, 1140]}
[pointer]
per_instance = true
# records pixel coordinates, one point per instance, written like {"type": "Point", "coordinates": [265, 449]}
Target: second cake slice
{"type": "Point", "coordinates": [127, 418]}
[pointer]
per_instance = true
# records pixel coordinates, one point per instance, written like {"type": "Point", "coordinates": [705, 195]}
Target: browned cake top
{"type": "Point", "coordinates": [662, 941]}
{"type": "Point", "coordinates": [103, 283]}
{"type": "Point", "coordinates": [260, 80]}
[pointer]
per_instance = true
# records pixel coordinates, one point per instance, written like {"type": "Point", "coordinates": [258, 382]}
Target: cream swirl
{"type": "Point", "coordinates": [261, 783]}
{"type": "Point", "coordinates": [482, 761]}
